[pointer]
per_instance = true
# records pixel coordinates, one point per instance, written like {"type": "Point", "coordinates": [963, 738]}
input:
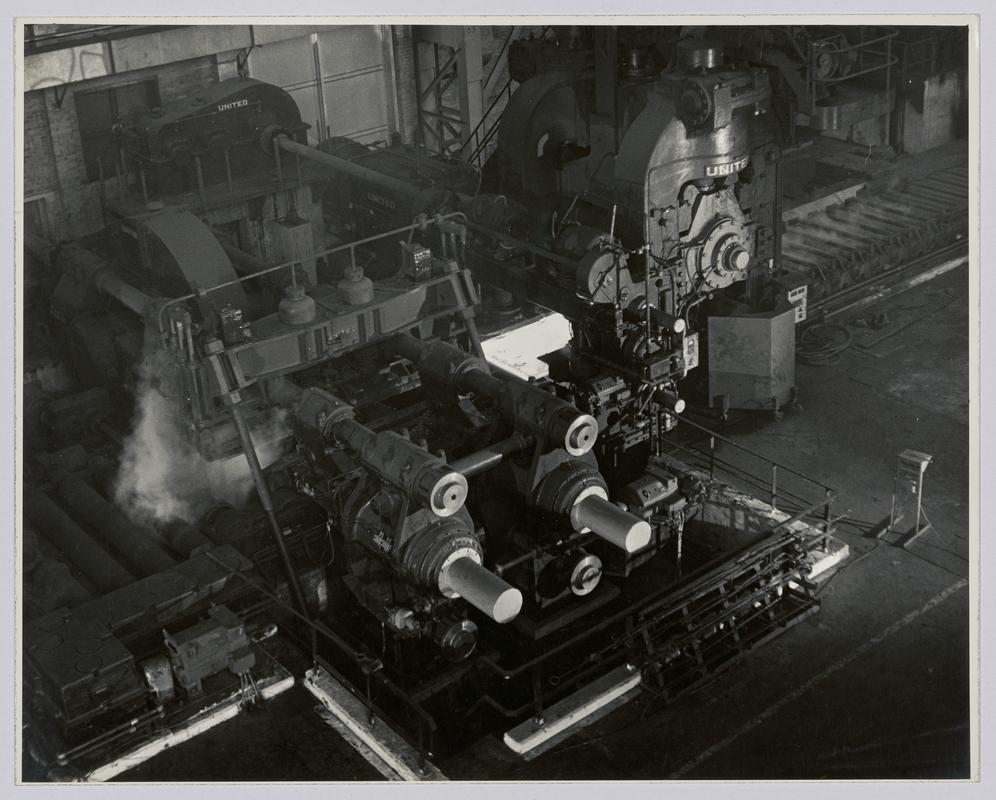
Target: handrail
{"type": "Point", "coordinates": [475, 135]}
{"type": "Point", "coordinates": [858, 50]}
{"type": "Point", "coordinates": [808, 505]}
{"type": "Point", "coordinates": [891, 33]}
{"type": "Point", "coordinates": [725, 440]}
{"type": "Point", "coordinates": [498, 56]}
{"type": "Point", "coordinates": [418, 224]}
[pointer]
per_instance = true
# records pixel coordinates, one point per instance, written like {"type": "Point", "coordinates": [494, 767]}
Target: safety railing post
{"type": "Point", "coordinates": [774, 486]}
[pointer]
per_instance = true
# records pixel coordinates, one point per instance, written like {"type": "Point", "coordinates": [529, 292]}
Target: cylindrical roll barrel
{"type": "Point", "coordinates": [444, 489]}
{"type": "Point", "coordinates": [393, 458]}
{"type": "Point", "coordinates": [408, 466]}
{"type": "Point", "coordinates": [133, 543]}
{"type": "Point", "coordinates": [538, 412]}
{"type": "Point", "coordinates": [54, 524]}
{"type": "Point", "coordinates": [353, 434]}
{"type": "Point", "coordinates": [50, 584]}
{"type": "Point", "coordinates": [484, 590]}
{"type": "Point", "coordinates": [344, 166]}
{"type": "Point", "coordinates": [408, 346]}
{"type": "Point", "coordinates": [184, 539]}
{"type": "Point", "coordinates": [611, 523]}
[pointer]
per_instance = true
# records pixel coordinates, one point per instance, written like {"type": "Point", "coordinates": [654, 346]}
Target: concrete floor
{"type": "Point", "coordinates": [875, 685]}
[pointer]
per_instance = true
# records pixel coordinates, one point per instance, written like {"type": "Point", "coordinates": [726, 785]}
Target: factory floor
{"type": "Point", "coordinates": [874, 685]}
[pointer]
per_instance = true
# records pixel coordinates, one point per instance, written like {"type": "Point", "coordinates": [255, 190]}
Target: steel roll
{"type": "Point", "coordinates": [92, 559]}
{"type": "Point", "coordinates": [480, 587]}
{"type": "Point", "coordinates": [133, 543]}
{"type": "Point", "coordinates": [611, 523]}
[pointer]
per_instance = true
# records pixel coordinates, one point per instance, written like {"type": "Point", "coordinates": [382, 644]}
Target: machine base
{"type": "Point", "coordinates": [563, 719]}
{"type": "Point", "coordinates": [369, 735]}
{"type": "Point", "coordinates": [203, 721]}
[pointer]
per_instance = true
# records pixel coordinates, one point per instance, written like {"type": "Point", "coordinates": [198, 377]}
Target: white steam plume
{"type": "Point", "coordinates": [163, 478]}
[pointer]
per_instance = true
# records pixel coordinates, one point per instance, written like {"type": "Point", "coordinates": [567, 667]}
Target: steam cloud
{"type": "Point", "coordinates": [162, 477]}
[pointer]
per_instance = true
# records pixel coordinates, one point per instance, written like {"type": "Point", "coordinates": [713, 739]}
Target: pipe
{"type": "Point", "coordinates": [344, 166]}
{"type": "Point", "coordinates": [484, 590]}
{"type": "Point", "coordinates": [240, 258]}
{"type": "Point", "coordinates": [131, 298]}
{"type": "Point", "coordinates": [490, 456]}
{"type": "Point", "coordinates": [135, 544]}
{"type": "Point", "coordinates": [476, 345]}
{"type": "Point", "coordinates": [90, 267]}
{"type": "Point", "coordinates": [611, 523]}
{"type": "Point", "coordinates": [263, 490]}
{"type": "Point", "coordinates": [96, 564]}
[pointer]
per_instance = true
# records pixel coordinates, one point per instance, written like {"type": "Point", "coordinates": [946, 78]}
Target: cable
{"type": "Point", "coordinates": [821, 344]}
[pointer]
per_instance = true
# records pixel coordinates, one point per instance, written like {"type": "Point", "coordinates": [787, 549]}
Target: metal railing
{"type": "Point", "coordinates": [779, 497]}
{"type": "Point", "coordinates": [871, 54]}
{"type": "Point", "coordinates": [486, 130]}
{"type": "Point", "coordinates": [292, 264]}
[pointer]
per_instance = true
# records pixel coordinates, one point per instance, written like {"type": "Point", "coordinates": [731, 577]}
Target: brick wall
{"type": "Point", "coordinates": [55, 157]}
{"type": "Point", "coordinates": [40, 175]}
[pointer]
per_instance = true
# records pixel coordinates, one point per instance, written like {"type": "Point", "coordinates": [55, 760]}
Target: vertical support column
{"type": "Point", "coordinates": [604, 131]}
{"type": "Point", "coordinates": [323, 119]}
{"type": "Point", "coordinates": [470, 77]}
{"type": "Point", "coordinates": [394, 124]}
{"type": "Point", "coordinates": [456, 63]}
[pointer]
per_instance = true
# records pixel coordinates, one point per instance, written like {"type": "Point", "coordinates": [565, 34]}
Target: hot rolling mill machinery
{"type": "Point", "coordinates": [464, 547]}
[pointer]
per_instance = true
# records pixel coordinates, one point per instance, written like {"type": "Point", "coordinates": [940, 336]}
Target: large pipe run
{"type": "Point", "coordinates": [133, 543]}
{"type": "Point", "coordinates": [484, 590]}
{"type": "Point", "coordinates": [131, 298]}
{"type": "Point", "coordinates": [344, 166]}
{"type": "Point", "coordinates": [406, 465]}
{"type": "Point", "coordinates": [90, 267]}
{"type": "Point", "coordinates": [55, 525]}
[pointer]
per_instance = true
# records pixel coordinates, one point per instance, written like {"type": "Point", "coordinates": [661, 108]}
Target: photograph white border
{"type": "Point", "coordinates": [982, 329]}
